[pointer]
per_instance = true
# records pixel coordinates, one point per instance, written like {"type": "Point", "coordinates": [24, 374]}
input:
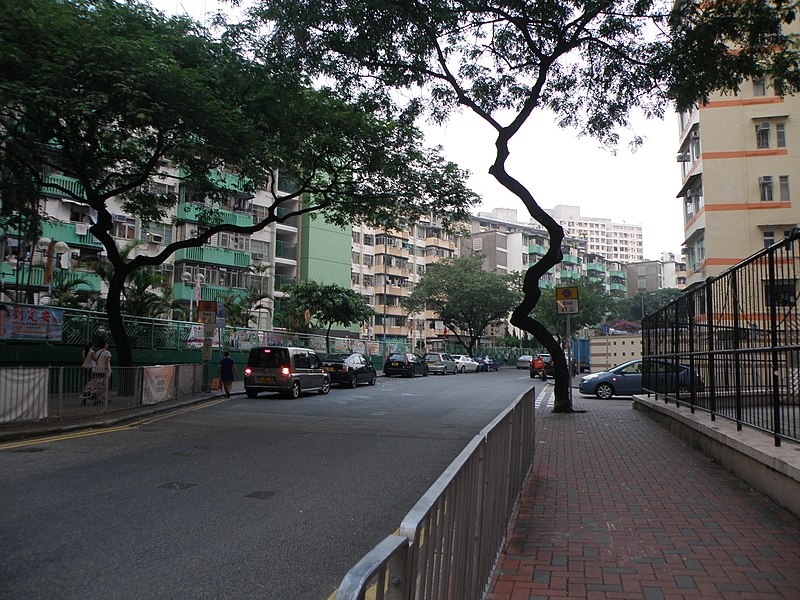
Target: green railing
{"type": "Point", "coordinates": [215, 255]}
{"type": "Point", "coordinates": [207, 292]}
{"type": "Point", "coordinates": [8, 277]}
{"type": "Point", "coordinates": [570, 259]}
{"type": "Point", "coordinates": [68, 183]}
{"type": "Point", "coordinates": [619, 274]}
{"type": "Point", "coordinates": [566, 274]}
{"type": "Point", "coordinates": [537, 249]}
{"type": "Point", "coordinates": [188, 211]}
{"type": "Point", "coordinates": [596, 267]}
{"type": "Point", "coordinates": [65, 232]}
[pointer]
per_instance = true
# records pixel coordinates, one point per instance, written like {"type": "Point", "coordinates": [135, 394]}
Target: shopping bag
{"type": "Point", "coordinates": [216, 384]}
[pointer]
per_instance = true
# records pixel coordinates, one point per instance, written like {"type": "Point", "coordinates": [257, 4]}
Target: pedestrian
{"type": "Point", "coordinates": [102, 360]}
{"type": "Point", "coordinates": [88, 363]}
{"type": "Point", "coordinates": [227, 372]}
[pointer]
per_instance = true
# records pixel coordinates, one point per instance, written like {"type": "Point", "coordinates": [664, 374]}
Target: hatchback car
{"type": "Point", "coordinates": [440, 362]}
{"type": "Point", "coordinates": [524, 361]}
{"type": "Point", "coordinates": [626, 379]}
{"type": "Point", "coordinates": [348, 370]}
{"type": "Point", "coordinates": [464, 363]}
{"type": "Point", "coordinates": [406, 364]}
{"type": "Point", "coordinates": [289, 371]}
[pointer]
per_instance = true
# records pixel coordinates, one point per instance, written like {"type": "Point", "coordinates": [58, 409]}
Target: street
{"type": "Point", "coordinates": [265, 498]}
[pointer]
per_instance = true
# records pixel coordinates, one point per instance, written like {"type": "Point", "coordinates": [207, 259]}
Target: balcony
{"type": "Point", "coordinates": [595, 268]}
{"type": "Point", "coordinates": [566, 274]}
{"type": "Point", "coordinates": [569, 259]}
{"type": "Point", "coordinates": [76, 189]}
{"type": "Point", "coordinates": [618, 287]}
{"type": "Point", "coordinates": [188, 211]}
{"type": "Point", "coordinates": [65, 232]}
{"type": "Point", "coordinates": [185, 293]}
{"type": "Point", "coordinates": [281, 212]}
{"type": "Point", "coordinates": [537, 249]}
{"type": "Point", "coordinates": [390, 309]}
{"type": "Point", "coordinates": [214, 255]}
{"type": "Point", "coordinates": [92, 282]}
{"type": "Point", "coordinates": [285, 250]}
{"type": "Point", "coordinates": [281, 280]}
{"type": "Point", "coordinates": [618, 274]}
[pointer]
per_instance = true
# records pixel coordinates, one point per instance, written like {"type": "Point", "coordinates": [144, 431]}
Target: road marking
{"type": "Point", "coordinates": [92, 432]}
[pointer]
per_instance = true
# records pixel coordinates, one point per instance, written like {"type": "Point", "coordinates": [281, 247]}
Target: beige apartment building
{"type": "Point", "coordinates": [739, 168]}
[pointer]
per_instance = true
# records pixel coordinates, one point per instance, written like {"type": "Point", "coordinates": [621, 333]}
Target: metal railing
{"type": "Point", "coordinates": [731, 346]}
{"type": "Point", "coordinates": [449, 542]}
{"type": "Point", "coordinates": [60, 393]}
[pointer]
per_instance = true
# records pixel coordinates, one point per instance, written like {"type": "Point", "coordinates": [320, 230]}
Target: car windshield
{"type": "Point", "coordinates": [268, 357]}
{"type": "Point", "coordinates": [397, 357]}
{"type": "Point", "coordinates": [336, 357]}
{"type": "Point", "coordinates": [432, 357]}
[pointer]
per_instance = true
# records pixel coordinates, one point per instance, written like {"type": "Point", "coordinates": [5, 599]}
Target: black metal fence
{"type": "Point", "coordinates": [731, 346]}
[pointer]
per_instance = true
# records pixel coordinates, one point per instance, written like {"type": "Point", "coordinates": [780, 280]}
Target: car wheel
{"type": "Point", "coordinates": [533, 375]}
{"type": "Point", "coordinates": [326, 387]}
{"type": "Point", "coordinates": [295, 391]}
{"type": "Point", "coordinates": [251, 393]}
{"type": "Point", "coordinates": [463, 369]}
{"type": "Point", "coordinates": [408, 374]}
{"type": "Point", "coordinates": [425, 372]}
{"type": "Point", "coordinates": [373, 380]}
{"type": "Point", "coordinates": [353, 384]}
{"type": "Point", "coordinates": [543, 376]}
{"type": "Point", "coordinates": [604, 391]}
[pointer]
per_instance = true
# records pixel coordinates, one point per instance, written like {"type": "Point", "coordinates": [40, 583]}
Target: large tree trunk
{"type": "Point", "coordinates": [122, 342]}
{"type": "Point", "coordinates": [521, 316]}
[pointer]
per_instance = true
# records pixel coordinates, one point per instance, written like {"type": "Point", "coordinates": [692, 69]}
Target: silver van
{"type": "Point", "coordinates": [289, 371]}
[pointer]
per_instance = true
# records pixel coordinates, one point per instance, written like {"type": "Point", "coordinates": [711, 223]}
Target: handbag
{"type": "Point", "coordinates": [216, 384]}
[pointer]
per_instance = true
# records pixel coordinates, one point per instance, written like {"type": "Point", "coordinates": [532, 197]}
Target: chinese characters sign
{"type": "Point", "coordinates": [19, 322]}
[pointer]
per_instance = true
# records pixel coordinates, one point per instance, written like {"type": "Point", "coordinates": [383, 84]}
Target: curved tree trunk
{"type": "Point", "coordinates": [122, 342]}
{"type": "Point", "coordinates": [521, 316]}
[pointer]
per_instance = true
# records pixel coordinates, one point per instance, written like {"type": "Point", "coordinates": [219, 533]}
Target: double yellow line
{"type": "Point", "coordinates": [91, 432]}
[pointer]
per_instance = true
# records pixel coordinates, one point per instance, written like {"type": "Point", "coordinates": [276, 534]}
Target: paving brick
{"type": "Point", "coordinates": [616, 507]}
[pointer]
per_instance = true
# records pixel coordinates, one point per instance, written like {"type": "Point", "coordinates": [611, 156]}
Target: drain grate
{"type": "Point", "coordinates": [177, 485]}
{"type": "Point", "coordinates": [32, 449]}
{"type": "Point", "coordinates": [261, 495]}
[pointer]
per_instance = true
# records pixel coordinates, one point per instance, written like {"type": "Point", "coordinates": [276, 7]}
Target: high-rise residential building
{"type": "Point", "coordinates": [616, 241]}
{"type": "Point", "coordinates": [739, 164]}
{"type": "Point", "coordinates": [652, 275]}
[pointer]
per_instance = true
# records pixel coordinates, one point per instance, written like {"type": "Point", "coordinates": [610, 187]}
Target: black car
{"type": "Point", "coordinates": [487, 363]}
{"type": "Point", "coordinates": [406, 364]}
{"type": "Point", "coordinates": [350, 369]}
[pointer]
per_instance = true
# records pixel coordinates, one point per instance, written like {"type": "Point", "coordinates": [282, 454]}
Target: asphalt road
{"type": "Point", "coordinates": [264, 498]}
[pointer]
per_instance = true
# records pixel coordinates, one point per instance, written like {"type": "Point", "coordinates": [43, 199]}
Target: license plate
{"type": "Point", "coordinates": [329, 369]}
{"type": "Point", "coordinates": [431, 362]}
{"type": "Point", "coordinates": [265, 379]}
{"type": "Point", "coordinates": [395, 364]}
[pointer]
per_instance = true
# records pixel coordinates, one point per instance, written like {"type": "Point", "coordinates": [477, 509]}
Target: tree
{"type": "Point", "coordinates": [327, 305]}
{"type": "Point", "coordinates": [591, 64]}
{"type": "Point", "coordinates": [593, 305]}
{"type": "Point", "coordinates": [113, 95]}
{"type": "Point", "coordinates": [643, 304]}
{"type": "Point", "coordinates": [467, 298]}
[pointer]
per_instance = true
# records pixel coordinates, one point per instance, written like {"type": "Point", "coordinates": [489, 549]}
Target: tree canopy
{"type": "Point", "coordinates": [112, 95]}
{"type": "Point", "coordinates": [467, 298]}
{"type": "Point", "coordinates": [327, 304]}
{"type": "Point", "coordinates": [594, 303]}
{"type": "Point", "coordinates": [590, 63]}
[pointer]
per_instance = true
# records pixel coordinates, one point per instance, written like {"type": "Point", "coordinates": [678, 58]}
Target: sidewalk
{"type": "Point", "coordinates": [617, 507]}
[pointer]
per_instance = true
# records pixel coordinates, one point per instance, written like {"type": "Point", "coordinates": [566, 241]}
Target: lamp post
{"type": "Point", "coordinates": [51, 250]}
{"type": "Point", "coordinates": [186, 277]}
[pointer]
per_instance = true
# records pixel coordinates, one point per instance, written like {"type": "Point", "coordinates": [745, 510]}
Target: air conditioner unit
{"type": "Point", "coordinates": [120, 218]}
{"type": "Point", "coordinates": [167, 267]}
{"type": "Point", "coordinates": [695, 135]}
{"type": "Point", "coordinates": [155, 238]}
{"type": "Point", "coordinates": [765, 179]}
{"type": "Point", "coordinates": [683, 157]}
{"type": "Point", "coordinates": [763, 127]}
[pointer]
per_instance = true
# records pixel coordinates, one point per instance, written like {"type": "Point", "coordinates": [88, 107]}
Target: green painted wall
{"type": "Point", "coordinates": [325, 251]}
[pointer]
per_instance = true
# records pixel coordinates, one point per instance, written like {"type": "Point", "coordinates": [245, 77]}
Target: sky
{"type": "Point", "coordinates": [558, 167]}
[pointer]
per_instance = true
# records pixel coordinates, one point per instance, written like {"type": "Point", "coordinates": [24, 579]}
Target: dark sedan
{"type": "Point", "coordinates": [406, 364]}
{"type": "Point", "coordinates": [348, 370]}
{"type": "Point", "coordinates": [487, 363]}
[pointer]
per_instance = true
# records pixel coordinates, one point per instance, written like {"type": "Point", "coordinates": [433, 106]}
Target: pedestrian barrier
{"type": "Point", "coordinates": [58, 393]}
{"type": "Point", "coordinates": [449, 542]}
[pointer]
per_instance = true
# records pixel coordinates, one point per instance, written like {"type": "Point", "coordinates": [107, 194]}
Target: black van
{"type": "Point", "coordinates": [283, 369]}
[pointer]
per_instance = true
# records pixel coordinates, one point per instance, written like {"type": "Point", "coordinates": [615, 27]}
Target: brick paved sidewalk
{"type": "Point", "coordinates": [617, 507]}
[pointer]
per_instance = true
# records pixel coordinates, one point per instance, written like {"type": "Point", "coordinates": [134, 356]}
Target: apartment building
{"type": "Point", "coordinates": [651, 275]}
{"type": "Point", "coordinates": [739, 164]}
{"type": "Point", "coordinates": [620, 242]}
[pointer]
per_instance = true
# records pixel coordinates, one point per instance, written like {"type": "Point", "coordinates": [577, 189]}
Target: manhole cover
{"type": "Point", "coordinates": [261, 495]}
{"type": "Point", "coordinates": [177, 485]}
{"type": "Point", "coordinates": [33, 449]}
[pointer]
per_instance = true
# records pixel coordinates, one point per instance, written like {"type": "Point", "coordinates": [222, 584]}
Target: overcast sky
{"type": "Point", "coordinates": [560, 168]}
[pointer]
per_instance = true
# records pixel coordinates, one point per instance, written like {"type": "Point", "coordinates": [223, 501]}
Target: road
{"type": "Point", "coordinates": [264, 498]}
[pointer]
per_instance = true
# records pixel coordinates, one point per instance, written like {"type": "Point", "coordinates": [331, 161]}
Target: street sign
{"type": "Point", "coordinates": [207, 312]}
{"type": "Point", "coordinates": [567, 300]}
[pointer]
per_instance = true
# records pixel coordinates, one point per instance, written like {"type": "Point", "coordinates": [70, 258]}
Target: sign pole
{"type": "Point", "coordinates": [569, 358]}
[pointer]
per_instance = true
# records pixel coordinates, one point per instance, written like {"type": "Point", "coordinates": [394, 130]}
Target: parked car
{"type": "Point", "coordinates": [542, 367]}
{"type": "Point", "coordinates": [487, 363]}
{"type": "Point", "coordinates": [524, 361]}
{"type": "Point", "coordinates": [464, 363]}
{"type": "Point", "coordinates": [348, 370]}
{"type": "Point", "coordinates": [440, 362]}
{"type": "Point", "coordinates": [406, 364]}
{"type": "Point", "coordinates": [283, 369]}
{"type": "Point", "coordinates": [626, 379]}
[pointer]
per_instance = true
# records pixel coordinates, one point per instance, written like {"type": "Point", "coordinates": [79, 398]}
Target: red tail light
{"type": "Point", "coordinates": [286, 371]}
{"type": "Point", "coordinates": [248, 370]}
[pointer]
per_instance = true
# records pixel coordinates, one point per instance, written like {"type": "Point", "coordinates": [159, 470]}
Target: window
{"type": "Point", "coordinates": [157, 233]}
{"type": "Point", "coordinates": [765, 188]}
{"type": "Point", "coordinates": [780, 135]}
{"type": "Point", "coordinates": [783, 185]}
{"type": "Point", "coordinates": [124, 227]}
{"type": "Point", "coordinates": [368, 260]}
{"type": "Point", "coordinates": [356, 237]}
{"type": "Point", "coordinates": [759, 86]}
{"type": "Point", "coordinates": [369, 239]}
{"type": "Point", "coordinates": [369, 280]}
{"type": "Point", "coordinates": [769, 238]}
{"type": "Point", "coordinates": [762, 135]}
{"type": "Point", "coordinates": [785, 293]}
{"type": "Point", "coordinates": [354, 278]}
{"type": "Point", "coordinates": [356, 258]}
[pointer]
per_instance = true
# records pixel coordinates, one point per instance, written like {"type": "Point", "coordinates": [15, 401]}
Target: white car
{"type": "Point", "coordinates": [465, 363]}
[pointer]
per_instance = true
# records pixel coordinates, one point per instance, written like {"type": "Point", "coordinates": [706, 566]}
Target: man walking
{"type": "Point", "coordinates": [227, 372]}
